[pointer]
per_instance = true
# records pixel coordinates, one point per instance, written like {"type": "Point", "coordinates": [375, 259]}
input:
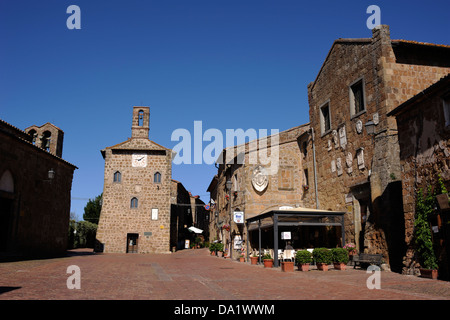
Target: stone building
{"type": "Point", "coordinates": [257, 185]}
{"type": "Point", "coordinates": [35, 191]}
{"type": "Point", "coordinates": [180, 216]}
{"type": "Point", "coordinates": [424, 138]}
{"type": "Point", "coordinates": [135, 215]}
{"type": "Point", "coordinates": [359, 83]}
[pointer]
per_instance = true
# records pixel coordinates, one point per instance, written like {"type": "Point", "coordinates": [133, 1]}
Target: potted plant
{"type": "Point", "coordinates": [212, 248]}
{"type": "Point", "coordinates": [303, 259]}
{"type": "Point", "coordinates": [351, 249]}
{"type": "Point", "coordinates": [340, 258]}
{"type": "Point", "coordinates": [254, 259]}
{"type": "Point", "coordinates": [241, 257]}
{"type": "Point", "coordinates": [287, 266]}
{"type": "Point", "coordinates": [219, 249]}
{"type": "Point", "coordinates": [323, 257]}
{"type": "Point", "coordinates": [423, 241]}
{"type": "Point", "coordinates": [268, 260]}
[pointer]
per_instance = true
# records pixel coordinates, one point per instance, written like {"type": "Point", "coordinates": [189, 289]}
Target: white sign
{"type": "Point", "coordinates": [154, 214]}
{"type": "Point", "coordinates": [286, 235]}
{"type": "Point", "coordinates": [238, 217]}
{"type": "Point", "coordinates": [186, 244]}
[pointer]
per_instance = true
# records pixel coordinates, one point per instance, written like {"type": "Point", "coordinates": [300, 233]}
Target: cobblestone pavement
{"type": "Point", "coordinates": [195, 275]}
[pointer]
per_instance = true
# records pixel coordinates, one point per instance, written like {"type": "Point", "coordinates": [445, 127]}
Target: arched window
{"type": "Point", "coordinates": [117, 176]}
{"type": "Point", "coordinates": [7, 182]}
{"type": "Point", "coordinates": [134, 203]}
{"type": "Point", "coordinates": [141, 118]}
{"type": "Point", "coordinates": [33, 134]}
{"type": "Point", "coordinates": [46, 138]}
{"type": "Point", "coordinates": [157, 177]}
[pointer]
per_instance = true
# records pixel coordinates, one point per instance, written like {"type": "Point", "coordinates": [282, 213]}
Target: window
{"type": "Point", "coordinates": [117, 176]}
{"type": "Point", "coordinates": [446, 103]}
{"type": "Point", "coordinates": [33, 134]}
{"type": "Point", "coordinates": [305, 148]}
{"type": "Point", "coordinates": [357, 103]}
{"type": "Point", "coordinates": [134, 203]}
{"type": "Point", "coordinates": [141, 118]}
{"type": "Point", "coordinates": [46, 138]}
{"type": "Point", "coordinates": [157, 177]}
{"type": "Point", "coordinates": [325, 120]}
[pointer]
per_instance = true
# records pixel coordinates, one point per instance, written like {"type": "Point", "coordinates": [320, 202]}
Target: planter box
{"type": "Point", "coordinates": [339, 266]}
{"type": "Point", "coordinates": [429, 273]}
{"type": "Point", "coordinates": [268, 263]}
{"type": "Point", "coordinates": [303, 267]}
{"type": "Point", "coordinates": [322, 266]}
{"type": "Point", "coordinates": [287, 266]}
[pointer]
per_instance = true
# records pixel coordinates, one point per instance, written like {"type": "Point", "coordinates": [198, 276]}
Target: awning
{"type": "Point", "coordinates": [195, 230]}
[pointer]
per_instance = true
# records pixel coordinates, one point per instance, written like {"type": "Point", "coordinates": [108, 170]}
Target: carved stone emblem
{"type": "Point", "coordinates": [359, 126]}
{"type": "Point", "coordinates": [360, 158]}
{"type": "Point", "coordinates": [342, 137]}
{"type": "Point", "coordinates": [376, 118]}
{"type": "Point", "coordinates": [339, 166]}
{"type": "Point", "coordinates": [260, 179]}
{"type": "Point", "coordinates": [335, 139]}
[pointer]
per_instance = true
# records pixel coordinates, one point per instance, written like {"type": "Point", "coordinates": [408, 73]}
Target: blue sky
{"type": "Point", "coordinates": [230, 64]}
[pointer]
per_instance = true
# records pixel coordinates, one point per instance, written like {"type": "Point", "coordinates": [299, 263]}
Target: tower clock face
{"type": "Point", "coordinates": [139, 160]}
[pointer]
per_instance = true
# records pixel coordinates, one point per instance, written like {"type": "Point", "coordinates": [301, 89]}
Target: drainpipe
{"type": "Point", "coordinates": [315, 169]}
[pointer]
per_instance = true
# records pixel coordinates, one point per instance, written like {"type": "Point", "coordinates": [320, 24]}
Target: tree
{"type": "Point", "coordinates": [92, 209]}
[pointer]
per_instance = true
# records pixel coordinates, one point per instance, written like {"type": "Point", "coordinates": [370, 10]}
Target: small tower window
{"type": "Point", "coordinates": [117, 176]}
{"type": "Point", "coordinates": [33, 134]}
{"type": "Point", "coordinates": [141, 118]}
{"type": "Point", "coordinates": [134, 203]}
{"type": "Point", "coordinates": [46, 138]}
{"type": "Point", "coordinates": [157, 177]}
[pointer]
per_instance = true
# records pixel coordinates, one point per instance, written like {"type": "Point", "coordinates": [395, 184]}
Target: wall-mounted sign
{"type": "Point", "coordinates": [238, 217]}
{"type": "Point", "coordinates": [237, 242]}
{"type": "Point", "coordinates": [154, 214]}
{"type": "Point", "coordinates": [286, 235]}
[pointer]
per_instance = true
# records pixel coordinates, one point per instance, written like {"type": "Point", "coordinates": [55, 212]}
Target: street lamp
{"type": "Point", "coordinates": [51, 174]}
{"type": "Point", "coordinates": [228, 186]}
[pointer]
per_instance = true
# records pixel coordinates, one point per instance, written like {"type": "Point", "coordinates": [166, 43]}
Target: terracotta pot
{"type": "Point", "coordinates": [322, 266]}
{"type": "Point", "coordinates": [268, 263]}
{"type": "Point", "coordinates": [254, 260]}
{"type": "Point", "coordinates": [220, 254]}
{"type": "Point", "coordinates": [287, 266]}
{"type": "Point", "coordinates": [241, 259]}
{"type": "Point", "coordinates": [429, 273]}
{"type": "Point", "coordinates": [339, 266]}
{"type": "Point", "coordinates": [213, 253]}
{"type": "Point", "coordinates": [303, 267]}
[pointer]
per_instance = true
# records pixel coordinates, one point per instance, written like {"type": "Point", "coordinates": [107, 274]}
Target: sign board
{"type": "Point", "coordinates": [286, 235]}
{"type": "Point", "coordinates": [147, 234]}
{"type": "Point", "coordinates": [186, 244]}
{"type": "Point", "coordinates": [154, 214]}
{"type": "Point", "coordinates": [238, 217]}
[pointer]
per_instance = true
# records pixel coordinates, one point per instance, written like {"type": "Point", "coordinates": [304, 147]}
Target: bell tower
{"type": "Point", "coordinates": [141, 122]}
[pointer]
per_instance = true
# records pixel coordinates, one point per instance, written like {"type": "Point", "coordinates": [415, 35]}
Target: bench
{"type": "Point", "coordinates": [366, 259]}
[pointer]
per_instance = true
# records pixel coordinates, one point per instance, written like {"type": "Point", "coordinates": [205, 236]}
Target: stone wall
{"type": "Point", "coordinates": [424, 154]}
{"type": "Point", "coordinates": [40, 207]}
{"type": "Point", "coordinates": [357, 172]}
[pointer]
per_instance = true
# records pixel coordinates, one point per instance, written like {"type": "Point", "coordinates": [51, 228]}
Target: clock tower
{"type": "Point", "coordinates": [135, 215]}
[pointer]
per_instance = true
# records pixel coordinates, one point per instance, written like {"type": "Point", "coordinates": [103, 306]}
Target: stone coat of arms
{"type": "Point", "coordinates": [260, 179]}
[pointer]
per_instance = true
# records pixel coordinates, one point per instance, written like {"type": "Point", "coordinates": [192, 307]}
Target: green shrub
{"type": "Point", "coordinates": [303, 257]}
{"type": "Point", "coordinates": [213, 247]}
{"type": "Point", "coordinates": [423, 241]}
{"type": "Point", "coordinates": [322, 255]}
{"type": "Point", "coordinates": [340, 255]}
{"type": "Point", "coordinates": [219, 247]}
